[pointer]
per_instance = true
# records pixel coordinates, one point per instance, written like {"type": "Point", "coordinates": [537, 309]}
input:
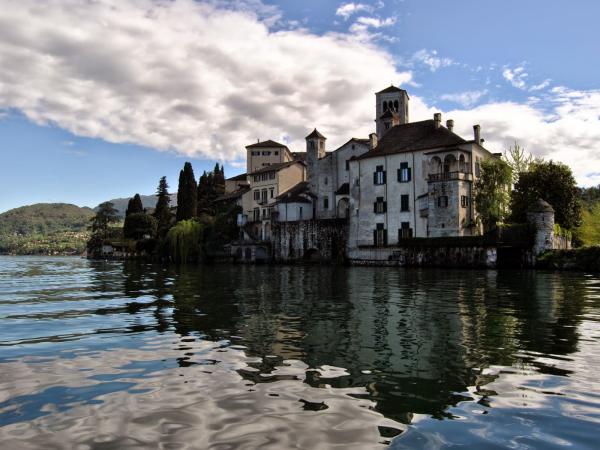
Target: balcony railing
{"type": "Point", "coordinates": [449, 176]}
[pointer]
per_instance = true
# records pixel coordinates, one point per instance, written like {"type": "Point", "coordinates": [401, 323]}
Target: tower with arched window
{"type": "Point", "coordinates": [391, 108]}
{"type": "Point", "coordinates": [315, 150]}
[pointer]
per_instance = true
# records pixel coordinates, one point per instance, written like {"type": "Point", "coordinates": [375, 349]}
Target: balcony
{"type": "Point", "coordinates": [450, 176]}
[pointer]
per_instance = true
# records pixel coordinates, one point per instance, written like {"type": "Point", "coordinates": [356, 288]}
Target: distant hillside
{"type": "Point", "coordinates": [44, 218]}
{"type": "Point", "coordinates": [149, 201]}
{"type": "Point", "coordinates": [44, 228]}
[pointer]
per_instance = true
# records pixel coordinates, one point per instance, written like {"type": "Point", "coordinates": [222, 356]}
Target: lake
{"type": "Point", "coordinates": [113, 355]}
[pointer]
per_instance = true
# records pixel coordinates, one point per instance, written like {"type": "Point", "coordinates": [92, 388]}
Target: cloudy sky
{"type": "Point", "coordinates": [99, 98]}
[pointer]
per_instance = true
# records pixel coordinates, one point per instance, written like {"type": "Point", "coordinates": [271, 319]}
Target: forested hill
{"type": "Point", "coordinates": [44, 218]}
{"type": "Point", "coordinates": [44, 229]}
{"type": "Point", "coordinates": [148, 201]}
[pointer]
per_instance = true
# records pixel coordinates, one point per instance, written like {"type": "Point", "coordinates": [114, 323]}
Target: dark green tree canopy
{"type": "Point", "coordinates": [134, 206]}
{"type": "Point", "coordinates": [492, 192]}
{"type": "Point", "coordinates": [139, 226]}
{"type": "Point", "coordinates": [553, 182]}
{"type": "Point", "coordinates": [105, 215]}
{"type": "Point", "coordinates": [162, 211]}
{"type": "Point", "coordinates": [187, 194]}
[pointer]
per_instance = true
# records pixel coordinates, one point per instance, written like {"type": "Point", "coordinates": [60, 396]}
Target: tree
{"type": "Point", "coordinates": [519, 160]}
{"type": "Point", "coordinates": [134, 206]}
{"type": "Point", "coordinates": [553, 182]}
{"type": "Point", "coordinates": [186, 194]}
{"type": "Point", "coordinates": [184, 241]}
{"type": "Point", "coordinates": [589, 231]}
{"type": "Point", "coordinates": [492, 192]}
{"type": "Point", "coordinates": [162, 211]}
{"type": "Point", "coordinates": [139, 225]}
{"type": "Point", "coordinates": [105, 215]}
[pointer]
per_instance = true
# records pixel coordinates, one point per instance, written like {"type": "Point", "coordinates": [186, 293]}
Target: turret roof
{"type": "Point", "coordinates": [315, 134]}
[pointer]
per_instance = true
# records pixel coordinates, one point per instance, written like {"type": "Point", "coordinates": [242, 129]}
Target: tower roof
{"type": "Point", "coordinates": [540, 205]}
{"type": "Point", "coordinates": [391, 88]}
{"type": "Point", "coordinates": [315, 134]}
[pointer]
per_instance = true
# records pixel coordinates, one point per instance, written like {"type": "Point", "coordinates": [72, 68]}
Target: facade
{"type": "Point", "coordinates": [417, 182]}
{"type": "Point", "coordinates": [409, 179]}
{"type": "Point", "coordinates": [265, 185]}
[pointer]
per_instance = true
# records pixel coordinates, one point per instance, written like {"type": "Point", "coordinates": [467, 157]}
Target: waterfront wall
{"type": "Point", "coordinates": [309, 240]}
{"type": "Point", "coordinates": [433, 252]}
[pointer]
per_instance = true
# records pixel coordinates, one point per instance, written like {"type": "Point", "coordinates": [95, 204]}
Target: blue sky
{"type": "Point", "coordinates": [98, 102]}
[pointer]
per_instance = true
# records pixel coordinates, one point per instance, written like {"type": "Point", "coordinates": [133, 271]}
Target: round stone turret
{"type": "Point", "coordinates": [540, 215]}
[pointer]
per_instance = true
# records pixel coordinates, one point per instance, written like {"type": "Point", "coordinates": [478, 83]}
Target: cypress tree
{"type": "Point", "coordinates": [187, 193]}
{"type": "Point", "coordinates": [219, 180]}
{"type": "Point", "coordinates": [162, 212]}
{"type": "Point", "coordinates": [134, 206]}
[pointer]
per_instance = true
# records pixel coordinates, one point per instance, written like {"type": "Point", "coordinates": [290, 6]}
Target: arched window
{"type": "Point", "coordinates": [435, 165]}
{"type": "Point", "coordinates": [462, 166]}
{"type": "Point", "coordinates": [396, 105]}
{"type": "Point", "coordinates": [449, 163]}
{"type": "Point", "coordinates": [385, 106]}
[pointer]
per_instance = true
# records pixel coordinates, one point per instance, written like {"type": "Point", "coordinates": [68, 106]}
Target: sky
{"type": "Point", "coordinates": [100, 98]}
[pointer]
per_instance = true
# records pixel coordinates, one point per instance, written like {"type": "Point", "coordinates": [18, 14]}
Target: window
{"type": "Point", "coordinates": [477, 168]}
{"type": "Point", "coordinates": [265, 213]}
{"type": "Point", "coordinates": [379, 236]}
{"type": "Point", "coordinates": [256, 177]}
{"type": "Point", "coordinates": [266, 153]}
{"type": "Point", "coordinates": [257, 195]}
{"type": "Point", "coordinates": [464, 201]}
{"type": "Point", "coordinates": [404, 173]}
{"type": "Point", "coordinates": [300, 212]}
{"type": "Point", "coordinates": [321, 144]}
{"type": "Point", "coordinates": [405, 231]}
{"type": "Point", "coordinates": [263, 196]}
{"type": "Point", "coordinates": [256, 213]}
{"type": "Point", "coordinates": [442, 201]}
{"type": "Point", "coordinates": [347, 164]}
{"type": "Point", "coordinates": [272, 192]}
{"type": "Point", "coordinates": [271, 175]}
{"type": "Point", "coordinates": [387, 125]}
{"type": "Point", "coordinates": [379, 207]}
{"type": "Point", "coordinates": [311, 145]}
{"type": "Point", "coordinates": [325, 181]}
{"type": "Point", "coordinates": [379, 175]}
{"type": "Point", "coordinates": [326, 203]}
{"type": "Point", "coordinates": [276, 152]}
{"type": "Point", "coordinates": [404, 203]}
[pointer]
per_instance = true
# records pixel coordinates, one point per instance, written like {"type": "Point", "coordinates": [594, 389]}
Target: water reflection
{"type": "Point", "coordinates": [276, 357]}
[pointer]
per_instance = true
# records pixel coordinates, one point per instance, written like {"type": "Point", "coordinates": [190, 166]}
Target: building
{"type": "Point", "coordinates": [417, 181]}
{"type": "Point", "coordinates": [265, 185]}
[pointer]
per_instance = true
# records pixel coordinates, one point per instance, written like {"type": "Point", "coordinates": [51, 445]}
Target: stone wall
{"type": "Point", "coordinates": [428, 253]}
{"type": "Point", "coordinates": [309, 240]}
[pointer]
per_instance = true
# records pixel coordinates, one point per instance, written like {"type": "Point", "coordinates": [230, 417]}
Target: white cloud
{"type": "Point", "coordinates": [346, 10]}
{"type": "Point", "coordinates": [569, 131]}
{"type": "Point", "coordinates": [206, 80]}
{"type": "Point", "coordinates": [466, 99]}
{"type": "Point", "coordinates": [431, 59]}
{"type": "Point", "coordinates": [543, 85]}
{"type": "Point", "coordinates": [185, 76]}
{"type": "Point", "coordinates": [516, 76]}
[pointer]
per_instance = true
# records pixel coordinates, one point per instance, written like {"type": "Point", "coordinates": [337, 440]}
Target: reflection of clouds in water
{"type": "Point", "coordinates": [205, 404]}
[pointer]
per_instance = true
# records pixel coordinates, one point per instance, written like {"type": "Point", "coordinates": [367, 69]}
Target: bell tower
{"type": "Point", "coordinates": [315, 150]}
{"type": "Point", "coordinates": [391, 108]}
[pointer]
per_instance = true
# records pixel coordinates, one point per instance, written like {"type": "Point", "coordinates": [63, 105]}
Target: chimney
{"type": "Point", "coordinates": [437, 117]}
{"type": "Point", "coordinates": [450, 124]}
{"type": "Point", "coordinates": [477, 134]}
{"type": "Point", "coordinates": [373, 139]}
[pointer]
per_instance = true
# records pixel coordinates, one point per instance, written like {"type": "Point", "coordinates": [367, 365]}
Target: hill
{"type": "Point", "coordinates": [44, 228]}
{"type": "Point", "coordinates": [148, 201]}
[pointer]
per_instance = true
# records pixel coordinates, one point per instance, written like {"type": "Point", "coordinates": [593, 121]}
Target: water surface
{"type": "Point", "coordinates": [107, 355]}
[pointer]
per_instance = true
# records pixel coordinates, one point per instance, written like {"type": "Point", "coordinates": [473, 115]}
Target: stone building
{"type": "Point", "coordinates": [416, 181]}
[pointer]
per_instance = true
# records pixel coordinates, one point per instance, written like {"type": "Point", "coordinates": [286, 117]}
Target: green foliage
{"type": "Point", "coordinates": [492, 195]}
{"type": "Point", "coordinates": [162, 212]}
{"type": "Point", "coordinates": [590, 195]}
{"type": "Point", "coordinates": [585, 258]}
{"type": "Point", "coordinates": [186, 194]}
{"type": "Point", "coordinates": [184, 241]}
{"type": "Point", "coordinates": [43, 219]}
{"type": "Point", "coordinates": [105, 216]}
{"type": "Point", "coordinates": [134, 206]}
{"type": "Point", "coordinates": [519, 161]}
{"type": "Point", "coordinates": [210, 186]}
{"type": "Point", "coordinates": [139, 225]}
{"type": "Point", "coordinates": [554, 183]}
{"type": "Point", "coordinates": [589, 231]}
{"type": "Point", "coordinates": [44, 228]}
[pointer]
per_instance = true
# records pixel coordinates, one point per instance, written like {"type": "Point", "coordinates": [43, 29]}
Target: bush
{"type": "Point", "coordinates": [585, 258]}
